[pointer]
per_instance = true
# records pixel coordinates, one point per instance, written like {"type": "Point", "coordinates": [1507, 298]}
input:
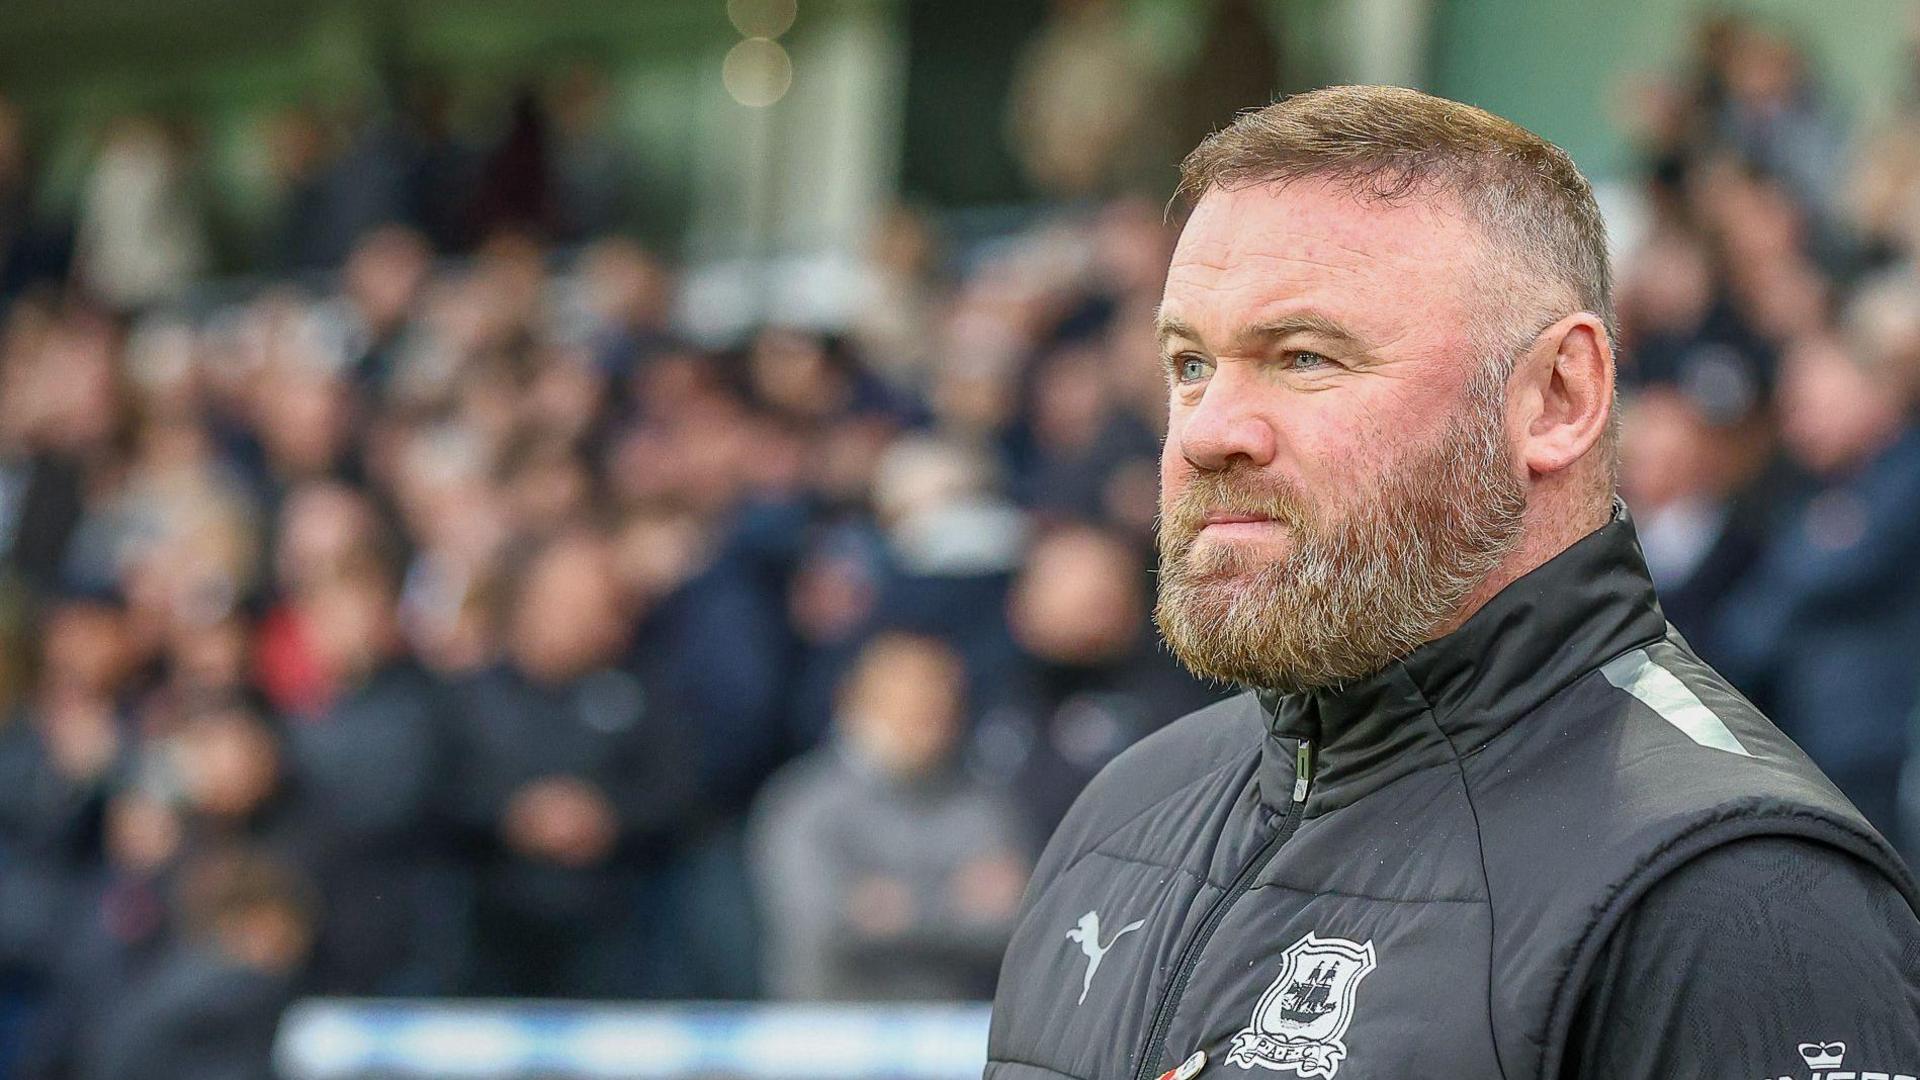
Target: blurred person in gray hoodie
{"type": "Point", "coordinates": [886, 872]}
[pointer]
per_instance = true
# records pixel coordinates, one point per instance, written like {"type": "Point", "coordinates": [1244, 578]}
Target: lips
{"type": "Point", "coordinates": [1222, 517]}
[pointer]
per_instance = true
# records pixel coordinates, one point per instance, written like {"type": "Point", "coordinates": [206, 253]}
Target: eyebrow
{"type": "Point", "coordinates": [1265, 332]}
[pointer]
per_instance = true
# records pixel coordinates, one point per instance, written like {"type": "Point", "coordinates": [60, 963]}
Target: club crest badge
{"type": "Point", "coordinates": [1300, 1021]}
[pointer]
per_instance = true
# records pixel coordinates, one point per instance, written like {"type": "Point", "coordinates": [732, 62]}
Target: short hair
{"type": "Point", "coordinates": [1525, 194]}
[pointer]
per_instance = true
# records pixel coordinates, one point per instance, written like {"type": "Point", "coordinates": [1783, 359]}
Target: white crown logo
{"type": "Point", "coordinates": [1823, 1055]}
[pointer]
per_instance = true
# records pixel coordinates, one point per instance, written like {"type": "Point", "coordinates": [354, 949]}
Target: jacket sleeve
{"type": "Point", "coordinates": [798, 873]}
{"type": "Point", "coordinates": [1769, 957]}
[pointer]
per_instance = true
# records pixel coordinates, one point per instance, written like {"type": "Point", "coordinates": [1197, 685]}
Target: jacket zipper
{"type": "Point", "coordinates": [1190, 956]}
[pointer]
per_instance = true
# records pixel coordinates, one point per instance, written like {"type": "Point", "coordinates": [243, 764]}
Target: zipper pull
{"type": "Point", "coordinates": [1187, 1069]}
{"type": "Point", "coordinates": [1302, 770]}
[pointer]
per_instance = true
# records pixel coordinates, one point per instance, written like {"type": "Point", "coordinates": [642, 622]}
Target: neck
{"type": "Point", "coordinates": [1554, 521]}
{"type": "Point", "coordinates": [1584, 607]}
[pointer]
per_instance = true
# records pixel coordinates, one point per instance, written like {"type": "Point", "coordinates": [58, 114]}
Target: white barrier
{"type": "Point", "coordinates": [332, 1039]}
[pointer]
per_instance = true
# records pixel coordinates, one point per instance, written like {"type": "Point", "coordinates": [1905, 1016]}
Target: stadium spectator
{"type": "Point", "coordinates": [1091, 681]}
{"type": "Point", "coordinates": [33, 250]}
{"type": "Point", "coordinates": [142, 237]}
{"type": "Point", "coordinates": [593, 171]}
{"type": "Point", "coordinates": [1773, 118]}
{"type": "Point", "coordinates": [1686, 469]}
{"type": "Point", "coordinates": [372, 758]}
{"type": "Point", "coordinates": [365, 184]}
{"type": "Point", "coordinates": [211, 1006]}
{"type": "Point", "coordinates": [1083, 102]}
{"type": "Point", "coordinates": [951, 542]}
{"type": "Point", "coordinates": [122, 924]}
{"type": "Point", "coordinates": [627, 295]}
{"type": "Point", "coordinates": [894, 322]}
{"type": "Point", "coordinates": [59, 755]}
{"type": "Point", "coordinates": [567, 782]}
{"type": "Point", "coordinates": [515, 190]}
{"type": "Point", "coordinates": [1081, 440]}
{"type": "Point", "coordinates": [885, 872]}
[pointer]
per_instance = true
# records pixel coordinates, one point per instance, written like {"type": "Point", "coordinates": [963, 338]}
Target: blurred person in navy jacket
{"type": "Point", "coordinates": [1081, 437]}
{"type": "Point", "coordinates": [58, 757]}
{"type": "Point", "coordinates": [185, 946]}
{"type": "Point", "coordinates": [1826, 630]}
{"type": "Point", "coordinates": [118, 930]}
{"type": "Point", "coordinates": [1090, 680]}
{"type": "Point", "coordinates": [370, 758]}
{"type": "Point", "coordinates": [569, 781]}
{"type": "Point", "coordinates": [209, 1009]}
{"type": "Point", "coordinates": [1690, 453]}
{"type": "Point", "coordinates": [936, 554]}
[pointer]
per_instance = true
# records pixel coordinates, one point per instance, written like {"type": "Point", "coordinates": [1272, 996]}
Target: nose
{"type": "Point", "coordinates": [1231, 420]}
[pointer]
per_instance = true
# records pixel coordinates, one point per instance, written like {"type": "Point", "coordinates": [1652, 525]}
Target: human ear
{"type": "Point", "coordinates": [1569, 397]}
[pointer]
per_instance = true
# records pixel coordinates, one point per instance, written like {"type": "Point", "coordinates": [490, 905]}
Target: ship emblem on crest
{"type": "Point", "coordinates": [1300, 1021]}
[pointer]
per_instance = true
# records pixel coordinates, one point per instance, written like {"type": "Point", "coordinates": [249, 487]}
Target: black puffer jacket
{"type": "Point", "coordinates": [1414, 876]}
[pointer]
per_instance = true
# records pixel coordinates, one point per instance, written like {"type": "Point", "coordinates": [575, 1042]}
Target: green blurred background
{"type": "Point", "coordinates": [844, 129]}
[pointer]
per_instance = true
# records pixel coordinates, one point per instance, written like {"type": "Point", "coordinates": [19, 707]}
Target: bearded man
{"type": "Point", "coordinates": [1481, 812]}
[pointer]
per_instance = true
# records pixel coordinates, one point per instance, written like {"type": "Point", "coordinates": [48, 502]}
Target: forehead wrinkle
{"type": "Point", "coordinates": [1283, 273]}
{"type": "Point", "coordinates": [1266, 331]}
{"type": "Point", "coordinates": [1251, 336]}
{"type": "Point", "coordinates": [1280, 309]}
{"type": "Point", "coordinates": [1235, 257]}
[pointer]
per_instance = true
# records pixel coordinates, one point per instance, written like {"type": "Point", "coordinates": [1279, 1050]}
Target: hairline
{"type": "Point", "coordinates": [1499, 267]}
{"type": "Point", "coordinates": [1500, 262]}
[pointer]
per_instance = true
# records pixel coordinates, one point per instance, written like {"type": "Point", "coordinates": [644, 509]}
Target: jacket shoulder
{"type": "Point", "coordinates": [1650, 738]}
{"type": "Point", "coordinates": [1643, 765]}
{"type": "Point", "coordinates": [1150, 772]}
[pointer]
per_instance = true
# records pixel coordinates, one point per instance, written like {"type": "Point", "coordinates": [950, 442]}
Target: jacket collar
{"type": "Point", "coordinates": [1448, 697]}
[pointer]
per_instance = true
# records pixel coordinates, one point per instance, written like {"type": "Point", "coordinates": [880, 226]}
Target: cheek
{"type": "Point", "coordinates": [1332, 443]}
{"type": "Point", "coordinates": [1353, 458]}
{"type": "Point", "coordinates": [1174, 471]}
{"type": "Point", "coordinates": [1337, 450]}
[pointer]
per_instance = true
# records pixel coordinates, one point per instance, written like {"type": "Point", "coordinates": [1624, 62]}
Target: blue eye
{"type": "Point", "coordinates": [1191, 368]}
{"type": "Point", "coordinates": [1309, 361]}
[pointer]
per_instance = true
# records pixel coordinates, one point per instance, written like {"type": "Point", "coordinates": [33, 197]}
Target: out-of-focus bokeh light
{"type": "Point", "coordinates": [757, 72]}
{"type": "Point", "coordinates": [762, 18]}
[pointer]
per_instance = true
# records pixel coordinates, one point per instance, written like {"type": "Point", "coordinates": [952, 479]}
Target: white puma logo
{"type": "Point", "coordinates": [1088, 935]}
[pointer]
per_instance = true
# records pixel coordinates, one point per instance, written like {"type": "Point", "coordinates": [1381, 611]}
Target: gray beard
{"type": "Point", "coordinates": [1356, 592]}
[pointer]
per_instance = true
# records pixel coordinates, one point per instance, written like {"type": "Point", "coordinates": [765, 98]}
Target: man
{"type": "Point", "coordinates": [1482, 814]}
{"type": "Point", "coordinates": [210, 1001]}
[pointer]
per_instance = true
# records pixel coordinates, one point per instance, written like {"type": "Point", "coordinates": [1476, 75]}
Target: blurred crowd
{"type": "Point", "coordinates": [451, 624]}
{"type": "Point", "coordinates": [437, 618]}
{"type": "Point", "coordinates": [1770, 317]}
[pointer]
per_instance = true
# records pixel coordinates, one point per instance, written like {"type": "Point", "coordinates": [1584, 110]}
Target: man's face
{"type": "Point", "coordinates": [1335, 478]}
